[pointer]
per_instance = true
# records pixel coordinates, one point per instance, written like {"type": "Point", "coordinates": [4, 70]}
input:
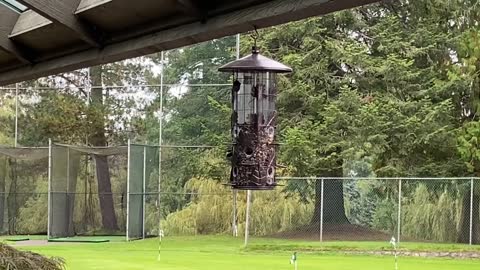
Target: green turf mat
{"type": "Point", "coordinates": [17, 239]}
{"type": "Point", "coordinates": [78, 240]}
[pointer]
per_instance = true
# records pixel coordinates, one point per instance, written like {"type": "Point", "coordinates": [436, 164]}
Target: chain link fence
{"type": "Point", "coordinates": [440, 210]}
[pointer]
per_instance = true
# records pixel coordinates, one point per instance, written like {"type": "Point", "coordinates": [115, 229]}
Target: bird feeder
{"type": "Point", "coordinates": [254, 121]}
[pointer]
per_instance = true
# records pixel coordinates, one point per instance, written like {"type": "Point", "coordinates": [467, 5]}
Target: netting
{"type": "Point", "coordinates": [79, 191]}
{"type": "Point", "coordinates": [23, 190]}
{"type": "Point", "coordinates": [142, 189]}
{"type": "Point", "coordinates": [101, 191]}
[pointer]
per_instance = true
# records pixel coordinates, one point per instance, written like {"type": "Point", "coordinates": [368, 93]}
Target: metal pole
{"type": "Point", "coordinates": [399, 217]}
{"type": "Point", "coordinates": [471, 212]}
{"type": "Point", "coordinates": [247, 216]}
{"type": "Point", "coordinates": [49, 186]}
{"type": "Point", "coordinates": [321, 211]}
{"type": "Point", "coordinates": [160, 142]}
{"type": "Point", "coordinates": [128, 187]}
{"type": "Point", "coordinates": [235, 192]}
{"type": "Point", "coordinates": [16, 115]}
{"type": "Point", "coordinates": [67, 202]}
{"type": "Point", "coordinates": [234, 221]}
{"type": "Point", "coordinates": [143, 189]}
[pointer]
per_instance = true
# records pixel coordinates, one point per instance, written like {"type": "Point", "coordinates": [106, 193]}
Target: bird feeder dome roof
{"type": "Point", "coordinates": [255, 62]}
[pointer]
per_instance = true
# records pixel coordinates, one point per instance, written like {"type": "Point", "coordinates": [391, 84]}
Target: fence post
{"type": "Point", "coordinates": [471, 212]}
{"type": "Point", "coordinates": [399, 217]}
{"type": "Point", "coordinates": [321, 211]}
{"type": "Point", "coordinates": [247, 216]}
{"type": "Point", "coordinates": [234, 221]}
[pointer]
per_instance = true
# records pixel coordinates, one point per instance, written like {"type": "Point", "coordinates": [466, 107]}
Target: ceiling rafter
{"type": "Point", "coordinates": [63, 12]}
{"type": "Point", "coordinates": [192, 8]}
{"type": "Point", "coordinates": [8, 18]}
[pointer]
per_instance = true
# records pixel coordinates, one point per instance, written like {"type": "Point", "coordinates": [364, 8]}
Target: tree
{"type": "Point", "coordinates": [98, 138]}
{"type": "Point", "coordinates": [395, 58]}
{"type": "Point", "coordinates": [6, 119]}
{"type": "Point", "coordinates": [198, 115]}
{"type": "Point", "coordinates": [469, 148]}
{"type": "Point", "coordinates": [101, 117]}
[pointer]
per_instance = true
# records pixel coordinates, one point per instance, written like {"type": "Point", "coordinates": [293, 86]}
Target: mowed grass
{"type": "Point", "coordinates": [207, 253]}
{"type": "Point", "coordinates": [262, 244]}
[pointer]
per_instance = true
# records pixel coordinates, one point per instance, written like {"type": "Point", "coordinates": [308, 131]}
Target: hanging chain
{"type": "Point", "coordinates": [255, 35]}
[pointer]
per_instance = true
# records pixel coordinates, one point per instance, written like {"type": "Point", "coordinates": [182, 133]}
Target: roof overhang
{"type": "Point", "coordinates": [55, 36]}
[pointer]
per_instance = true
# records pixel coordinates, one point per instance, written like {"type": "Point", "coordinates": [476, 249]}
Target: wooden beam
{"type": "Point", "coordinates": [265, 15]}
{"type": "Point", "coordinates": [63, 12]}
{"type": "Point", "coordinates": [85, 5]}
{"type": "Point", "coordinates": [28, 21]}
{"type": "Point", "coordinates": [8, 18]}
{"type": "Point", "coordinates": [191, 8]}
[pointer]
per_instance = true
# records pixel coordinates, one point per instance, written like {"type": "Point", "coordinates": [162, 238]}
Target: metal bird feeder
{"type": "Point", "coordinates": [254, 121]}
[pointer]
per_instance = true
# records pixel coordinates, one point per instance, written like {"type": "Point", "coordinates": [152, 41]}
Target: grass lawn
{"type": "Point", "coordinates": [206, 253]}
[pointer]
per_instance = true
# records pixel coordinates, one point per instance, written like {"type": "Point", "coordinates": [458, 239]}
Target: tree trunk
{"type": "Point", "coordinates": [333, 203]}
{"type": "Point", "coordinates": [464, 233]}
{"type": "Point", "coordinates": [98, 138]}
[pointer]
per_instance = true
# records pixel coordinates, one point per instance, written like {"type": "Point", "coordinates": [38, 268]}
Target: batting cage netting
{"type": "Point", "coordinates": [23, 190]}
{"type": "Point", "coordinates": [79, 191]}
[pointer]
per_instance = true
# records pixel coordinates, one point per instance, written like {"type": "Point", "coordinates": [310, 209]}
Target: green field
{"type": "Point", "coordinates": [206, 253]}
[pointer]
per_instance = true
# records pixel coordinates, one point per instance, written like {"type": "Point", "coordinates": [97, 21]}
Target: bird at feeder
{"type": "Point", "coordinates": [254, 120]}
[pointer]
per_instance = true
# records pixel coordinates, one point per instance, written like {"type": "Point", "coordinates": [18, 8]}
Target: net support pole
{"type": "Point", "coordinates": [128, 188]}
{"type": "Point", "coordinates": [235, 192]}
{"type": "Point", "coordinates": [399, 211]}
{"type": "Point", "coordinates": [247, 216]}
{"type": "Point", "coordinates": [471, 212]}
{"type": "Point", "coordinates": [49, 192]}
{"type": "Point", "coordinates": [234, 221]}
{"type": "Point", "coordinates": [321, 209]}
{"type": "Point", "coordinates": [160, 142]}
{"type": "Point", "coordinates": [143, 188]}
{"type": "Point", "coordinates": [67, 190]}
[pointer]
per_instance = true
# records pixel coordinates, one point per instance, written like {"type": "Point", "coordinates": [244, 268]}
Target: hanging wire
{"type": "Point", "coordinates": [121, 86]}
